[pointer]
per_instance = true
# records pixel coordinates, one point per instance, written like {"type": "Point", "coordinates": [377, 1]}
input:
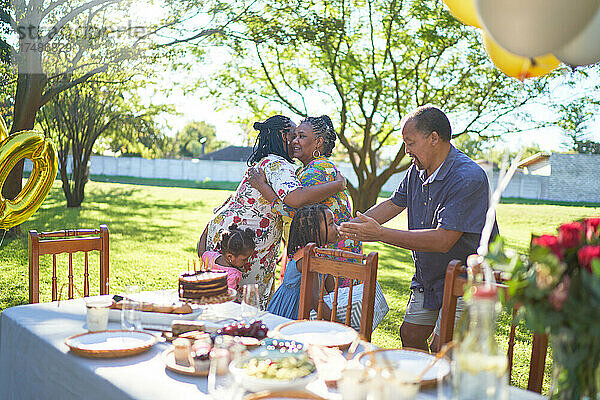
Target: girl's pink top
{"type": "Point", "coordinates": [233, 274]}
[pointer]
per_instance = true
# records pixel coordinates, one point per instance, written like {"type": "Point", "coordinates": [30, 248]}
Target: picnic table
{"type": "Point", "coordinates": [35, 363]}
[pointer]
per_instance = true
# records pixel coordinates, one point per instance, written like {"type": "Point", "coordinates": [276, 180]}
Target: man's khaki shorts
{"type": "Point", "coordinates": [416, 314]}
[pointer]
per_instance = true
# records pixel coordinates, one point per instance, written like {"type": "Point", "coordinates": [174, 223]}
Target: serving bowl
{"type": "Point", "coordinates": [252, 383]}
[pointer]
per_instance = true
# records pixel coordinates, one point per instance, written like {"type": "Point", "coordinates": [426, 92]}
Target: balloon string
{"type": "Point", "coordinates": [3, 235]}
{"type": "Point", "coordinates": [503, 179]}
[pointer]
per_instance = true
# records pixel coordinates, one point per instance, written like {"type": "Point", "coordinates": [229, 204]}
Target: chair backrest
{"type": "Point", "coordinates": [67, 241]}
{"type": "Point", "coordinates": [339, 264]}
{"type": "Point", "coordinates": [454, 287]}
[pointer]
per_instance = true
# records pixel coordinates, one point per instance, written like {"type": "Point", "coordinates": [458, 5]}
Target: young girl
{"type": "Point", "coordinates": [234, 250]}
{"type": "Point", "coordinates": [311, 224]}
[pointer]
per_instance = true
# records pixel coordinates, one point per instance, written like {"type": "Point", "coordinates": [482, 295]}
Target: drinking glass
{"type": "Point", "coordinates": [131, 310]}
{"type": "Point", "coordinates": [97, 312]}
{"type": "Point", "coordinates": [250, 303]}
{"type": "Point", "coordinates": [221, 384]}
{"type": "Point", "coordinates": [443, 390]}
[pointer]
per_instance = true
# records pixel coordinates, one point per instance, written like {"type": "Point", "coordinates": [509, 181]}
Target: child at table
{"type": "Point", "coordinates": [311, 224]}
{"type": "Point", "coordinates": [233, 252]}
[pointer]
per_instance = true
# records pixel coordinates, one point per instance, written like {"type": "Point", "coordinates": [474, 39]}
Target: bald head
{"type": "Point", "coordinates": [428, 119]}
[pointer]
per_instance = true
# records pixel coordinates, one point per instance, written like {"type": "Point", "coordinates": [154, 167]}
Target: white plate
{"type": "Point", "coordinates": [110, 343]}
{"type": "Point", "coordinates": [253, 384]}
{"type": "Point", "coordinates": [323, 333]}
{"type": "Point", "coordinates": [410, 361]}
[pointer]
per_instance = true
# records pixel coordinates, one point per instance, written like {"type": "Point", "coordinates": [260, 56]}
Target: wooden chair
{"type": "Point", "coordinates": [453, 288]}
{"type": "Point", "coordinates": [67, 241]}
{"type": "Point", "coordinates": [354, 267]}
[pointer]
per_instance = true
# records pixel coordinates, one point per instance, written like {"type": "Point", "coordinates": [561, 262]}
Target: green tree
{"type": "Point", "coordinates": [367, 63]}
{"type": "Point", "coordinates": [574, 119]}
{"type": "Point", "coordinates": [77, 117]}
{"type": "Point", "coordinates": [138, 134]}
{"type": "Point", "coordinates": [56, 45]}
{"type": "Point", "coordinates": [198, 138]}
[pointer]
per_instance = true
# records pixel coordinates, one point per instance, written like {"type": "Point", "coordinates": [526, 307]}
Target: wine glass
{"type": "Point", "coordinates": [250, 301]}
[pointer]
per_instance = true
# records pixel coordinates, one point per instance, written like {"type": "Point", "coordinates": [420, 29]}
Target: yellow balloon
{"type": "Point", "coordinates": [464, 11]}
{"type": "Point", "coordinates": [3, 129]}
{"type": "Point", "coordinates": [517, 66]}
{"type": "Point", "coordinates": [32, 145]}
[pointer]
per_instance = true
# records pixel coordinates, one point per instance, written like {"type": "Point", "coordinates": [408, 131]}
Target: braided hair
{"type": "Point", "coordinates": [237, 241]}
{"type": "Point", "coordinates": [269, 139]}
{"type": "Point", "coordinates": [306, 227]}
{"type": "Point", "coordinates": [323, 127]}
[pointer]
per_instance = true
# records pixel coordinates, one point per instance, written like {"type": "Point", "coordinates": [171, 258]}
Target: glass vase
{"type": "Point", "coordinates": [576, 369]}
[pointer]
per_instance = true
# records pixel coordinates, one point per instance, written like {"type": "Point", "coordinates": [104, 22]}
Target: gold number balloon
{"type": "Point", "coordinates": [3, 129]}
{"type": "Point", "coordinates": [13, 148]}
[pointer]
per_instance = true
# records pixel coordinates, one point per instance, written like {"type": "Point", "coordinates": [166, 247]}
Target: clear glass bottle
{"type": "Point", "coordinates": [480, 367]}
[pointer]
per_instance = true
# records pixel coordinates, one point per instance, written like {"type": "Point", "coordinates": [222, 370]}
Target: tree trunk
{"type": "Point", "coordinates": [365, 196]}
{"type": "Point", "coordinates": [27, 104]}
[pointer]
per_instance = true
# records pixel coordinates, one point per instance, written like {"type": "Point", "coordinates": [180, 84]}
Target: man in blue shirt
{"type": "Point", "coordinates": [446, 197]}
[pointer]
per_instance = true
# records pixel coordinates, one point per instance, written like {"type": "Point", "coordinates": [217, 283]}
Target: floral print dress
{"type": "Point", "coordinates": [248, 209]}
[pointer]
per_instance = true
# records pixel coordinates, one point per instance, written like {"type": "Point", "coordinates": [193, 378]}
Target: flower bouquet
{"type": "Point", "coordinates": [558, 286]}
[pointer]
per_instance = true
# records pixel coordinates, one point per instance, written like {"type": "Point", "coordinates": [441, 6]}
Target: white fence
{"type": "Point", "coordinates": [521, 186]}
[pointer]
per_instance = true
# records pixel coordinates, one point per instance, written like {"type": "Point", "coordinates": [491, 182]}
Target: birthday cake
{"type": "Point", "coordinates": [202, 284]}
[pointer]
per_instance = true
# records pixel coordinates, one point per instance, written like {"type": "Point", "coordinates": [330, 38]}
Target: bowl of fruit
{"type": "Point", "coordinates": [249, 334]}
{"type": "Point", "coordinates": [273, 371]}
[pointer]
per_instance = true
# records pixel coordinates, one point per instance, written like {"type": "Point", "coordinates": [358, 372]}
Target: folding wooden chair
{"type": "Point", "coordinates": [353, 267]}
{"type": "Point", "coordinates": [67, 241]}
{"type": "Point", "coordinates": [454, 287]}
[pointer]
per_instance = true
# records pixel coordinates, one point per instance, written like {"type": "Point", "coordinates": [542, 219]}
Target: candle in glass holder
{"type": "Point", "coordinates": [97, 313]}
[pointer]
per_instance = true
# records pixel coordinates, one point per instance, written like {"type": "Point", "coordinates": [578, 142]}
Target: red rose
{"type": "Point", "coordinates": [569, 235]}
{"type": "Point", "coordinates": [549, 241]}
{"type": "Point", "coordinates": [264, 222]}
{"type": "Point", "coordinates": [280, 192]}
{"type": "Point", "coordinates": [592, 225]}
{"type": "Point", "coordinates": [258, 233]}
{"type": "Point", "coordinates": [237, 219]}
{"type": "Point", "coordinates": [586, 254]}
{"type": "Point", "coordinates": [251, 200]}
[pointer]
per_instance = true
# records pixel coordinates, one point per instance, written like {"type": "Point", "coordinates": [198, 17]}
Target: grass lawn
{"type": "Point", "coordinates": [153, 234]}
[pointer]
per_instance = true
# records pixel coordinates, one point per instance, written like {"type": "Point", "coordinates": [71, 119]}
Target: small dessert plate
{"type": "Point", "coordinates": [110, 344]}
{"type": "Point", "coordinates": [169, 359]}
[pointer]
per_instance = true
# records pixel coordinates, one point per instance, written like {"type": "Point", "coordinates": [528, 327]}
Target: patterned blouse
{"type": "Point", "coordinates": [318, 171]}
{"type": "Point", "coordinates": [248, 209]}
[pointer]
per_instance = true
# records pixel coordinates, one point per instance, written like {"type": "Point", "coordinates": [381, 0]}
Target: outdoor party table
{"type": "Point", "coordinates": [36, 364]}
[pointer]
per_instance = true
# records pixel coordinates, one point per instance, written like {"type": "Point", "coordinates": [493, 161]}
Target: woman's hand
{"type": "Point", "coordinates": [341, 180]}
{"type": "Point", "coordinates": [257, 178]}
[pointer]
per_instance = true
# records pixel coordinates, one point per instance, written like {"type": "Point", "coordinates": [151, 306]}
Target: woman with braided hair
{"type": "Point", "coordinates": [311, 224]}
{"type": "Point", "coordinates": [312, 145]}
{"type": "Point", "coordinates": [248, 209]}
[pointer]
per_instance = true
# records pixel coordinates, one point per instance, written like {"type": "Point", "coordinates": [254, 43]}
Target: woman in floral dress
{"type": "Point", "coordinates": [248, 209]}
{"type": "Point", "coordinates": [312, 145]}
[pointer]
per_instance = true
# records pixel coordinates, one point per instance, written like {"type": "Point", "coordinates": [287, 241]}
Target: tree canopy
{"type": "Point", "coordinates": [198, 138]}
{"type": "Point", "coordinates": [368, 63]}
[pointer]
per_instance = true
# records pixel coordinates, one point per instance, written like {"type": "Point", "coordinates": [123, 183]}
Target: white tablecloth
{"type": "Point", "coordinates": [36, 364]}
